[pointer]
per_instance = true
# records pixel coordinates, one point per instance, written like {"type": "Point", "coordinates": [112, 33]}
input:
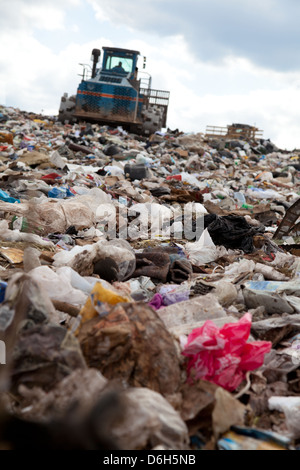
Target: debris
{"type": "Point", "coordinates": [133, 271]}
{"type": "Point", "coordinates": [149, 420]}
{"type": "Point", "coordinates": [276, 297]}
{"type": "Point", "coordinates": [131, 342]}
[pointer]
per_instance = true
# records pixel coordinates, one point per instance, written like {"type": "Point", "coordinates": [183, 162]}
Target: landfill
{"type": "Point", "coordinates": [149, 289]}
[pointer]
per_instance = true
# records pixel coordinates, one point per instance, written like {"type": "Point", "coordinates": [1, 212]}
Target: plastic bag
{"type": "Point", "coordinates": [85, 259]}
{"type": "Point", "coordinates": [173, 294]}
{"type": "Point", "coordinates": [276, 297]}
{"type": "Point", "coordinates": [169, 295]}
{"type": "Point", "coordinates": [50, 216]}
{"type": "Point", "coordinates": [258, 193]}
{"type": "Point", "coordinates": [57, 160]}
{"type": "Point", "coordinates": [223, 356]}
{"type": "Point", "coordinates": [84, 284]}
{"type": "Point", "coordinates": [58, 286]}
{"type": "Point", "coordinates": [231, 231]}
{"type": "Point", "coordinates": [204, 250]}
{"type": "Point", "coordinates": [122, 253]}
{"type": "Point", "coordinates": [190, 179]}
{"type": "Point", "coordinates": [290, 406]}
{"type": "Point", "coordinates": [114, 170]}
{"type": "Point", "coordinates": [156, 215]}
{"type": "Point", "coordinates": [157, 302]}
{"type": "Point", "coordinates": [4, 196]}
{"type": "Point", "coordinates": [60, 193]}
{"type": "Point", "coordinates": [17, 236]}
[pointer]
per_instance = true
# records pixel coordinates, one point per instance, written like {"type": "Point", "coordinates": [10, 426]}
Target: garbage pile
{"type": "Point", "coordinates": [149, 289]}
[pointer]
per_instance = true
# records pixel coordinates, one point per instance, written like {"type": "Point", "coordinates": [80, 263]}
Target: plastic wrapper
{"type": "Point", "coordinates": [223, 356]}
{"type": "Point", "coordinates": [99, 296]}
{"type": "Point", "coordinates": [57, 160]}
{"type": "Point", "coordinates": [169, 295]}
{"type": "Point", "coordinates": [157, 302]}
{"type": "Point", "coordinates": [3, 286]}
{"type": "Point", "coordinates": [189, 312]}
{"type": "Point", "coordinates": [258, 193]}
{"type": "Point", "coordinates": [252, 439]}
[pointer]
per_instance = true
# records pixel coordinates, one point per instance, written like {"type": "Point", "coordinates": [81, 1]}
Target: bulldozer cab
{"type": "Point", "coordinates": [119, 61]}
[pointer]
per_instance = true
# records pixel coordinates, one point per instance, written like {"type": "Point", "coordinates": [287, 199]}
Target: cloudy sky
{"type": "Point", "coordinates": [224, 61]}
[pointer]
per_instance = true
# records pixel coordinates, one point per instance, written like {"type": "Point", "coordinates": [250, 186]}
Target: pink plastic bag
{"type": "Point", "coordinates": [222, 355]}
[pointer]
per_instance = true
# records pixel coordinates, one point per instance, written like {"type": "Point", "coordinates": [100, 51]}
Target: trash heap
{"type": "Point", "coordinates": [150, 289]}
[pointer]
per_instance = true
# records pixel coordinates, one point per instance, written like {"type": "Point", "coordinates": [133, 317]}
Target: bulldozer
{"type": "Point", "coordinates": [117, 94]}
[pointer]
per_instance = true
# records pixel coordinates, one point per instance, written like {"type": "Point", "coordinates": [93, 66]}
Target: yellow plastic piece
{"type": "Point", "coordinates": [99, 294]}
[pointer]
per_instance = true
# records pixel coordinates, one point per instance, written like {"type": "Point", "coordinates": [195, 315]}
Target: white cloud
{"type": "Point", "coordinates": [16, 15]}
{"type": "Point", "coordinates": [37, 78]}
{"type": "Point", "coordinates": [75, 28]}
{"type": "Point", "coordinates": [45, 17]}
{"type": "Point", "coordinates": [266, 31]}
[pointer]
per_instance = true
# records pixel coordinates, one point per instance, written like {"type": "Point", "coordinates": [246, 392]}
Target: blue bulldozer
{"type": "Point", "coordinates": [117, 94]}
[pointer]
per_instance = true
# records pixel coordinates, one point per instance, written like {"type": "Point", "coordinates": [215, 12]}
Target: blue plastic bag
{"type": "Point", "coordinates": [6, 197]}
{"type": "Point", "coordinates": [60, 193]}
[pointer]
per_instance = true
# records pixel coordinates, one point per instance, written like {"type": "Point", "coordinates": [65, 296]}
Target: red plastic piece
{"type": "Point", "coordinates": [222, 355]}
{"type": "Point", "coordinates": [174, 177]}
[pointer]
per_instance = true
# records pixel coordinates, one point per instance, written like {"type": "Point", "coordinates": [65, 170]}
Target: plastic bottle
{"type": "Point", "coordinates": [240, 198]}
{"type": "Point", "coordinates": [19, 223]}
{"type": "Point", "coordinates": [247, 206]}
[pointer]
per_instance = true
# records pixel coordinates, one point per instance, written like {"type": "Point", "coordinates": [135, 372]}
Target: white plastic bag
{"type": "Point", "coordinates": [58, 285]}
{"type": "Point", "coordinates": [204, 250]}
{"type": "Point", "coordinates": [290, 406]}
{"type": "Point", "coordinates": [57, 160]}
{"type": "Point", "coordinates": [82, 258]}
{"type": "Point", "coordinates": [17, 236]}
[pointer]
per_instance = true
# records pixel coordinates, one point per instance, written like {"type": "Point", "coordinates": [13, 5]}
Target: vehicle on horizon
{"type": "Point", "coordinates": [117, 94]}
